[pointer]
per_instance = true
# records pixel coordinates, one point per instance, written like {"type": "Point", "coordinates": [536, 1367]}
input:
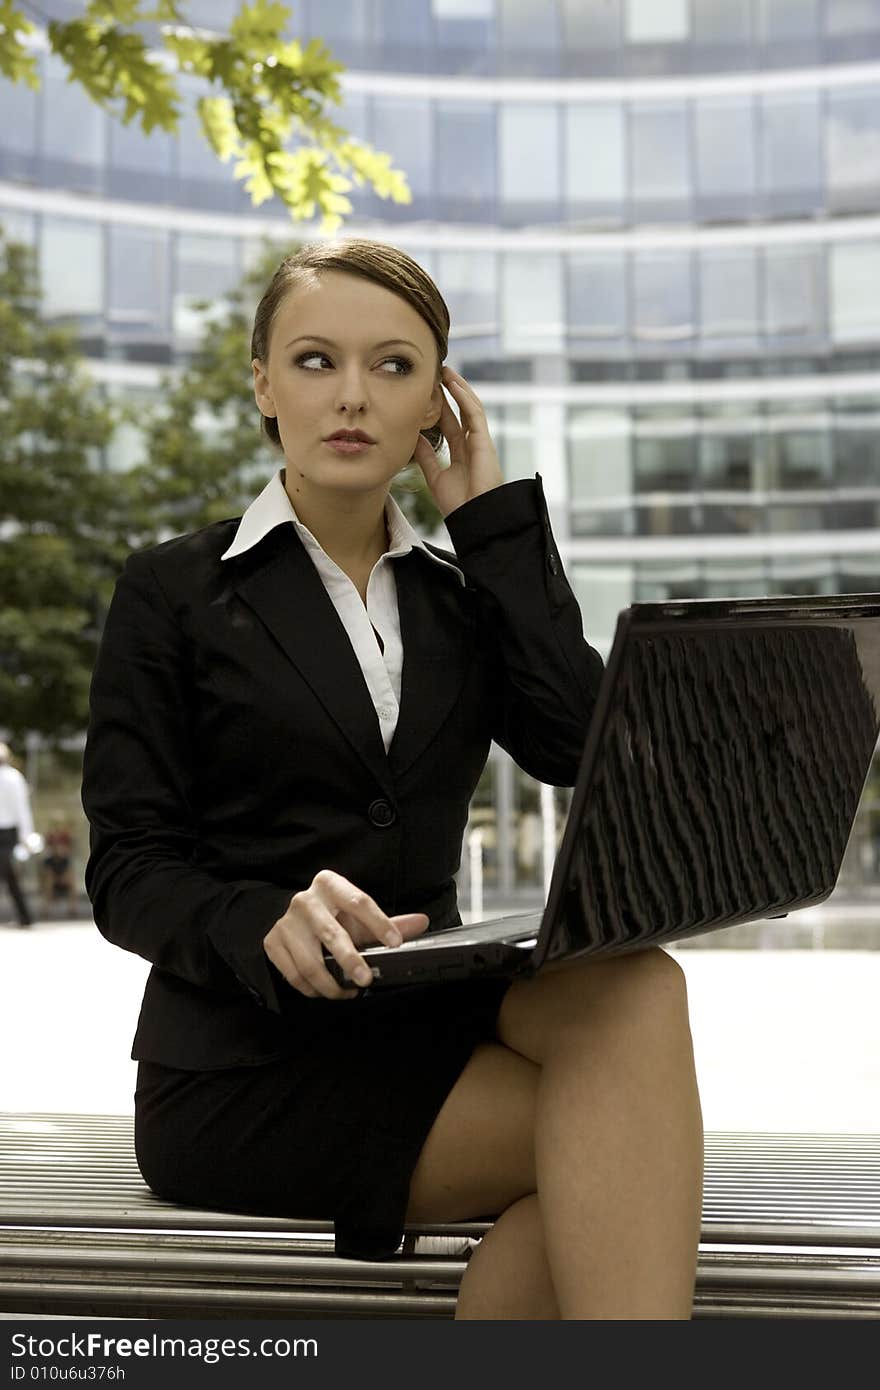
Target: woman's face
{"type": "Point", "coordinates": [347, 354]}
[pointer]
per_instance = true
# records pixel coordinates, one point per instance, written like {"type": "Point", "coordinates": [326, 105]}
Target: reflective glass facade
{"type": "Point", "coordinates": [656, 224]}
{"type": "Point", "coordinates": [572, 158]}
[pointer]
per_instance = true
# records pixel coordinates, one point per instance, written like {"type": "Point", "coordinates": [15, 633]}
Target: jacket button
{"type": "Point", "coordinates": [553, 562]}
{"type": "Point", "coordinates": [381, 812]}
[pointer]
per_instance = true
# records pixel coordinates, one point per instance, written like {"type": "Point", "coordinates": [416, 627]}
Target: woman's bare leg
{"type": "Point", "coordinates": [508, 1275]}
{"type": "Point", "coordinates": [605, 1127]}
{"type": "Point", "coordinates": [618, 1136]}
{"type": "Point", "coordinates": [478, 1161]}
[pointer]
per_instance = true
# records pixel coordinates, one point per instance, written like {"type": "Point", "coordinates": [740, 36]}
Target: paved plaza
{"type": "Point", "coordinates": [785, 1039]}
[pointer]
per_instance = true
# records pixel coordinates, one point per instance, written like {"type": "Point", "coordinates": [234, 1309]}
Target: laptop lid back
{"type": "Point", "coordinates": [722, 770]}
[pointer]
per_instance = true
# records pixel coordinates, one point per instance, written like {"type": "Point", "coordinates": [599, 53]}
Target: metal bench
{"type": "Point", "coordinates": [791, 1228]}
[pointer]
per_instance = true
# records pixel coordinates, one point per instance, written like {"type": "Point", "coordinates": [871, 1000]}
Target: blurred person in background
{"type": "Point", "coordinates": [16, 831]}
{"type": "Point", "coordinates": [56, 868]}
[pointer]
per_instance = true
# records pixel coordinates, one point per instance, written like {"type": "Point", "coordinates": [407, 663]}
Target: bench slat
{"type": "Point", "coordinates": [791, 1227]}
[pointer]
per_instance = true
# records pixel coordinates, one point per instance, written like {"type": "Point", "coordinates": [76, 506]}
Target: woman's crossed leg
{"type": "Point", "coordinates": [581, 1128]}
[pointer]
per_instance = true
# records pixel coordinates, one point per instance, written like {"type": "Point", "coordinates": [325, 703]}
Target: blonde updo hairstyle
{"type": "Point", "coordinates": [384, 265]}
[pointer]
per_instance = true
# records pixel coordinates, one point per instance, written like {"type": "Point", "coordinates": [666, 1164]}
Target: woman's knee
{"type": "Point", "coordinates": [644, 991]}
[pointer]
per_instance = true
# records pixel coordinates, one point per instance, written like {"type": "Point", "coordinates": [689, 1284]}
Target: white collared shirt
{"type": "Point", "coordinates": [15, 802]}
{"type": "Point", "coordinates": [382, 667]}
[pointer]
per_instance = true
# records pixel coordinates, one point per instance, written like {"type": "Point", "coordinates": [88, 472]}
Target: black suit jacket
{"type": "Point", "coordinates": [233, 750]}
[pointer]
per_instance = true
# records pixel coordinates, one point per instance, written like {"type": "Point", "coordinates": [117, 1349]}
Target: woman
{"type": "Point", "coordinates": [289, 714]}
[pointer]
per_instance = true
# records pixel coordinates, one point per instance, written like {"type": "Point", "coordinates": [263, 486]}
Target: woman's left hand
{"type": "Point", "coordinates": [474, 466]}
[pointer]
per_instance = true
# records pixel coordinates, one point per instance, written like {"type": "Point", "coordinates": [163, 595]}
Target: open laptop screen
{"type": "Point", "coordinates": [725, 765]}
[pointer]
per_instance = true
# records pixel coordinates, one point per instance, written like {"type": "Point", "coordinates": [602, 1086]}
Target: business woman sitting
{"type": "Point", "coordinates": [290, 711]}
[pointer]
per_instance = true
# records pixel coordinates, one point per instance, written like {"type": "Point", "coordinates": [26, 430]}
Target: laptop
{"type": "Point", "coordinates": [719, 782]}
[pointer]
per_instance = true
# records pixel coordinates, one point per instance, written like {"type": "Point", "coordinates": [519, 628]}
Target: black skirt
{"type": "Point", "coordinates": [333, 1132]}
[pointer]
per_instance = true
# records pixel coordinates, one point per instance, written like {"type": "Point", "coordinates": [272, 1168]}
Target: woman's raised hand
{"type": "Point", "coordinates": [474, 466]}
{"type": "Point", "coordinates": [333, 915]}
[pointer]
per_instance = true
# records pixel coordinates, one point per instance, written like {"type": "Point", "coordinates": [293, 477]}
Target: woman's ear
{"type": "Point", "coordinates": [434, 408]}
{"type": "Point", "coordinates": [261, 390]}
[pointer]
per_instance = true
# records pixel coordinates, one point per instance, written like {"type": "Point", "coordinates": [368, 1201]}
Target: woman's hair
{"type": "Point", "coordinates": [371, 260]}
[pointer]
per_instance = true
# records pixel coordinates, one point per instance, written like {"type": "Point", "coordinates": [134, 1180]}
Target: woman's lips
{"type": "Point", "coordinates": [348, 446]}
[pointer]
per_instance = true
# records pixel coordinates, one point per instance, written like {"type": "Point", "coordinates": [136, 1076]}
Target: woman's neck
{"type": "Point", "coordinates": [350, 529]}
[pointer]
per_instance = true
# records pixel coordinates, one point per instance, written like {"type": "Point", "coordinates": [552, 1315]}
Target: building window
{"type": "Point", "coordinates": [464, 31]}
{"type": "Point", "coordinates": [18, 127]}
{"type": "Point", "coordinates": [663, 299]}
{"type": "Point", "coordinates": [728, 297]}
{"type": "Point", "coordinates": [466, 166]}
{"type": "Point", "coordinates": [403, 30]}
{"type": "Point", "coordinates": [786, 19]}
{"type": "Point", "coordinates": [731, 469]}
{"type": "Point", "coordinates": [799, 449]}
{"type": "Point", "coordinates": [595, 169]}
{"type": "Point", "coordinates": [726, 156]}
{"type": "Point", "coordinates": [528, 25]}
{"type": "Point", "coordinates": [859, 574]}
{"type": "Point", "coordinates": [794, 301]}
{"type": "Point", "coordinates": [533, 311]}
{"type": "Point", "coordinates": [656, 21]}
{"type": "Point", "coordinates": [729, 459]}
{"type": "Point", "coordinates": [345, 23]}
{"type": "Point", "coordinates": [516, 443]}
{"type": "Point", "coordinates": [733, 578]}
{"type": "Point", "coordinates": [139, 166]}
{"type": "Point", "coordinates": [665, 462]}
{"type": "Point", "coordinates": [18, 226]}
{"type": "Point", "coordinates": [402, 129]}
{"type": "Point", "coordinates": [665, 455]}
{"type": "Point", "coordinates": [468, 281]}
{"type": "Point", "coordinates": [600, 472]}
{"type": "Point", "coordinates": [800, 575]}
{"type": "Point", "coordinates": [591, 24]}
{"type": "Point", "coordinates": [73, 131]}
{"type": "Point", "coordinates": [721, 22]}
{"type": "Point", "coordinates": [857, 446]}
{"type": "Point", "coordinates": [128, 446]}
{"type": "Point", "coordinates": [602, 592]}
{"type": "Point", "coordinates": [597, 302]}
{"type": "Point", "coordinates": [660, 171]}
{"type": "Point", "coordinates": [661, 582]}
{"type": "Point", "coordinates": [852, 17]}
{"type": "Point", "coordinates": [853, 148]}
{"type": "Point", "coordinates": [855, 313]}
{"type": "Point", "coordinates": [529, 150]}
{"type": "Point", "coordinates": [216, 15]}
{"type": "Point", "coordinates": [791, 163]}
{"type": "Point", "coordinates": [72, 271]}
{"type": "Point", "coordinates": [203, 181]}
{"type": "Point", "coordinates": [206, 268]}
{"type": "Point", "coordinates": [137, 300]}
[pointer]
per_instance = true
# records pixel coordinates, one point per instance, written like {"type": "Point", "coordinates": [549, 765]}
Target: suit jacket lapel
{"type": "Point", "coordinates": [285, 590]}
{"type": "Point", "coordinates": [437, 626]}
{"type": "Point", "coordinates": [437, 622]}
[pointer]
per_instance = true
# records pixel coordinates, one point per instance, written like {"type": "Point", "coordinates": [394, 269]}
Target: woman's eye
{"type": "Point", "coordinates": [402, 362]}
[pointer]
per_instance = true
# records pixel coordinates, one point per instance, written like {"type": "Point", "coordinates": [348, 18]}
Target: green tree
{"type": "Point", "coordinates": [268, 95]}
{"type": "Point", "coordinates": [204, 454]}
{"type": "Point", "coordinates": [64, 524]}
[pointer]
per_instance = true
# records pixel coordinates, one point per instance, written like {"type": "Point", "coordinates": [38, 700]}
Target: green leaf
{"type": "Point", "coordinates": [112, 64]}
{"type": "Point", "coordinates": [218, 122]}
{"type": "Point", "coordinates": [16, 61]}
{"type": "Point", "coordinates": [193, 54]}
{"type": "Point", "coordinates": [261, 22]}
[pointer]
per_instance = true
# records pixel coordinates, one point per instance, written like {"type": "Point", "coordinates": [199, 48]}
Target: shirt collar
{"type": "Point", "coordinates": [274, 508]}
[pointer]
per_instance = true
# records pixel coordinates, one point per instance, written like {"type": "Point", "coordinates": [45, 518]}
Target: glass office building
{"type": "Point", "coordinates": [657, 227]}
